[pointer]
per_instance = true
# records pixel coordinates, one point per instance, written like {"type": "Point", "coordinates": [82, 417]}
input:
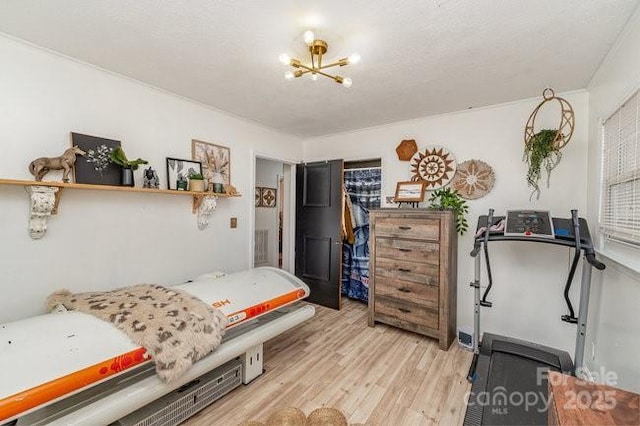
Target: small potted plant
{"type": "Point", "coordinates": [117, 156]}
{"type": "Point", "coordinates": [448, 199]}
{"type": "Point", "coordinates": [196, 182]}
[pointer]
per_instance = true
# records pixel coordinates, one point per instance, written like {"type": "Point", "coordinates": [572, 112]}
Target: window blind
{"type": "Point", "coordinates": [620, 210]}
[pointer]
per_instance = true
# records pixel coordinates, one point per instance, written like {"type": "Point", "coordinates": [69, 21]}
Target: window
{"type": "Point", "coordinates": [620, 210]}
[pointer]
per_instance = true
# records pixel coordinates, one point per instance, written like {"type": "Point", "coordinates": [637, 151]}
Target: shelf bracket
{"type": "Point", "coordinates": [44, 203]}
{"type": "Point", "coordinates": [205, 205]}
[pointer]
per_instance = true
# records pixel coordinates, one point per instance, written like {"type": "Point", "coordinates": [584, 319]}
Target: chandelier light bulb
{"type": "Point", "coordinates": [354, 58]}
{"type": "Point", "coordinates": [314, 76]}
{"type": "Point", "coordinates": [284, 58]}
{"type": "Point", "coordinates": [346, 82]}
{"type": "Point", "coordinates": [289, 75]}
{"type": "Point", "coordinates": [309, 37]}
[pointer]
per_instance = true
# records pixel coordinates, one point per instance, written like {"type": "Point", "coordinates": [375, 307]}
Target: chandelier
{"type": "Point", "coordinates": [317, 48]}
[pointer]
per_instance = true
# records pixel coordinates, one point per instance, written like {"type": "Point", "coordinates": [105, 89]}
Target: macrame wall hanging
{"type": "Point", "coordinates": [542, 148]}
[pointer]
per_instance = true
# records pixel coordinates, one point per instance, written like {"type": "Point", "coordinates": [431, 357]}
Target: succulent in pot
{"type": "Point", "coordinates": [196, 182]}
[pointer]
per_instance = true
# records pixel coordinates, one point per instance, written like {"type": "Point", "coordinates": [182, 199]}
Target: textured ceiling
{"type": "Point", "coordinates": [419, 57]}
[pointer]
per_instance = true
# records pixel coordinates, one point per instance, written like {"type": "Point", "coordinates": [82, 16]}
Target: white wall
{"type": "Point", "coordinates": [101, 240]}
{"type": "Point", "coordinates": [529, 278]}
{"type": "Point", "coordinates": [616, 291]}
{"type": "Point", "coordinates": [267, 173]}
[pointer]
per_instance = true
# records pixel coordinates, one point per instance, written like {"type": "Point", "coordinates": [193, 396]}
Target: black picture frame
{"type": "Point", "coordinates": [85, 171]}
{"type": "Point", "coordinates": [180, 166]}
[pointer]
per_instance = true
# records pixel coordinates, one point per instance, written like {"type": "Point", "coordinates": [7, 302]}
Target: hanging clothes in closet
{"type": "Point", "coordinates": [363, 191]}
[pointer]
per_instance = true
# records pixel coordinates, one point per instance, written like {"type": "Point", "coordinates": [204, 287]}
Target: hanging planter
{"type": "Point", "coordinates": [542, 148]}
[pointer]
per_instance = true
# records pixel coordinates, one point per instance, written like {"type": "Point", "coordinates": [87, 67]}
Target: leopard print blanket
{"type": "Point", "coordinates": [175, 328]}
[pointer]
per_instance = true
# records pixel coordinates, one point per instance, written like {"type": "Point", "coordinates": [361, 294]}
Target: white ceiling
{"type": "Point", "coordinates": [419, 57]}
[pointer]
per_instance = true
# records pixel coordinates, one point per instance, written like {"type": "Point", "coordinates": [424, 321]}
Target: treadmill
{"type": "Point", "coordinates": [509, 375]}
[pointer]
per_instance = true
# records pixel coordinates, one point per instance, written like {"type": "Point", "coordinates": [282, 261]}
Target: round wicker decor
{"type": "Point", "coordinates": [436, 165]}
{"type": "Point", "coordinates": [474, 179]}
{"type": "Point", "coordinates": [326, 416]}
{"type": "Point", "coordinates": [287, 416]}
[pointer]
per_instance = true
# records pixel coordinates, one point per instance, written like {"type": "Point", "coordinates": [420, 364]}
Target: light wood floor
{"type": "Point", "coordinates": [375, 376]}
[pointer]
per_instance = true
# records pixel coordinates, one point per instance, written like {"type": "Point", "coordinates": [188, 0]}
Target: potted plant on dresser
{"type": "Point", "coordinates": [196, 182]}
{"type": "Point", "coordinates": [117, 156]}
{"type": "Point", "coordinates": [448, 199]}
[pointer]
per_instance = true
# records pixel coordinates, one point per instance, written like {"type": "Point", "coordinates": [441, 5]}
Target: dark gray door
{"type": "Point", "coordinates": [318, 225]}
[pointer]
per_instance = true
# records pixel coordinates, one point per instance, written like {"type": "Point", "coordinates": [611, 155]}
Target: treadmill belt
{"type": "Point", "coordinates": [517, 392]}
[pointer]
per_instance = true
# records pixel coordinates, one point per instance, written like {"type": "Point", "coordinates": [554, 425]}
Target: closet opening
{"type": "Point", "coordinates": [363, 191]}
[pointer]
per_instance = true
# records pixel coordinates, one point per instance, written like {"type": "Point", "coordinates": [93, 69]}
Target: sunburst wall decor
{"type": "Point", "coordinates": [436, 166]}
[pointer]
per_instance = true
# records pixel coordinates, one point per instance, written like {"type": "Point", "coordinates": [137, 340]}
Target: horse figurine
{"type": "Point", "coordinates": [41, 166]}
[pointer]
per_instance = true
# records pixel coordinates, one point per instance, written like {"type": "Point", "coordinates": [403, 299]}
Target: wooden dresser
{"type": "Point", "coordinates": [412, 271]}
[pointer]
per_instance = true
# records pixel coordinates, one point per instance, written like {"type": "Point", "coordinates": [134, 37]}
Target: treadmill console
{"type": "Point", "coordinates": [529, 223]}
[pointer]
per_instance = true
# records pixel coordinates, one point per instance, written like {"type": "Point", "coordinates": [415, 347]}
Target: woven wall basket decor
{"type": "Point", "coordinates": [474, 179]}
{"type": "Point", "coordinates": [436, 165]}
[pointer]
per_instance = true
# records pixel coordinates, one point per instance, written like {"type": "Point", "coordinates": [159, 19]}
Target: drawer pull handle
{"type": "Point", "coordinates": [406, 311]}
{"type": "Point", "coordinates": [404, 270]}
{"type": "Point", "coordinates": [404, 228]}
{"type": "Point", "coordinates": [404, 250]}
{"type": "Point", "coordinates": [404, 290]}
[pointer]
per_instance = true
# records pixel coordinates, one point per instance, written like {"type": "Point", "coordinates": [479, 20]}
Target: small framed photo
{"type": "Point", "coordinates": [268, 196]}
{"type": "Point", "coordinates": [215, 159]}
{"type": "Point", "coordinates": [411, 191]}
{"type": "Point", "coordinates": [178, 171]}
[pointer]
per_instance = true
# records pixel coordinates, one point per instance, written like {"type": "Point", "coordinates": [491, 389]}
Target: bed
{"type": "Point", "coordinates": [72, 368]}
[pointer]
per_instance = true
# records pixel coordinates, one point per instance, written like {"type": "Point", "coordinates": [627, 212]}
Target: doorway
{"type": "Point", "coordinates": [273, 220]}
{"type": "Point", "coordinates": [362, 184]}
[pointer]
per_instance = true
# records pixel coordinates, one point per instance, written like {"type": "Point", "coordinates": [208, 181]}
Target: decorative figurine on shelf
{"type": "Point", "coordinates": [182, 183]}
{"type": "Point", "coordinates": [41, 166]}
{"type": "Point", "coordinates": [231, 190]}
{"type": "Point", "coordinates": [151, 179]}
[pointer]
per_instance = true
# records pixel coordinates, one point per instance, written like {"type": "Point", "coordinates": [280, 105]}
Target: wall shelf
{"type": "Point", "coordinates": [45, 198]}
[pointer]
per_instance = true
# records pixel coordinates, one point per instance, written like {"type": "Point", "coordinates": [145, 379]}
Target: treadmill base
{"type": "Point", "coordinates": [510, 382]}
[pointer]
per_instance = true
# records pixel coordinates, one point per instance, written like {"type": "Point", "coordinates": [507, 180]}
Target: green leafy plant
{"type": "Point", "coordinates": [540, 151]}
{"type": "Point", "coordinates": [448, 199]}
{"type": "Point", "coordinates": [196, 176]}
{"type": "Point", "coordinates": [117, 156]}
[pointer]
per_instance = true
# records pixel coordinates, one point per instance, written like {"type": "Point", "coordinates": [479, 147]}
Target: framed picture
{"type": "Point", "coordinates": [94, 167]}
{"type": "Point", "coordinates": [268, 197]}
{"type": "Point", "coordinates": [215, 159]}
{"type": "Point", "coordinates": [179, 170]}
{"type": "Point", "coordinates": [411, 191]}
{"type": "Point", "coordinates": [258, 196]}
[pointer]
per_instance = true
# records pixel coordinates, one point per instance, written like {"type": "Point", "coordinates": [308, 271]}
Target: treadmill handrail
{"type": "Point", "coordinates": [586, 244]}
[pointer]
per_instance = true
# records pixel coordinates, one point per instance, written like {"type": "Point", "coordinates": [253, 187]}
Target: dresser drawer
{"type": "Point", "coordinates": [416, 251]}
{"type": "Point", "coordinates": [421, 273]}
{"type": "Point", "coordinates": [428, 229]}
{"type": "Point", "coordinates": [407, 312]}
{"type": "Point", "coordinates": [408, 291]}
